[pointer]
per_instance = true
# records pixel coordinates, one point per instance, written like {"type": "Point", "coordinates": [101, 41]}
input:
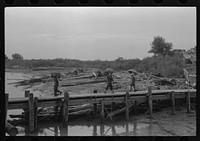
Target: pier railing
{"type": "Point", "coordinates": [31, 103]}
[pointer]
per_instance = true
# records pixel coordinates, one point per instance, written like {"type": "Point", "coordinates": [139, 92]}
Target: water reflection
{"type": "Point", "coordinates": [133, 128]}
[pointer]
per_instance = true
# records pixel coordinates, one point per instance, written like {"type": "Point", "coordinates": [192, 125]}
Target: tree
{"type": "Point", "coordinates": [159, 46]}
{"type": "Point", "coordinates": [17, 56]}
{"type": "Point", "coordinates": [119, 59]}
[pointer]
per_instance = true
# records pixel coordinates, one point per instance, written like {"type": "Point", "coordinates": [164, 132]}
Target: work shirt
{"type": "Point", "coordinates": [56, 81]}
{"type": "Point", "coordinates": [132, 79]}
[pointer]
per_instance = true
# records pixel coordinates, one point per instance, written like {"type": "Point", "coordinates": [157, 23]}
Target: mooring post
{"type": "Point", "coordinates": [127, 105]}
{"type": "Point", "coordinates": [102, 111]}
{"type": "Point", "coordinates": [172, 102]}
{"type": "Point", "coordinates": [188, 102]}
{"type": "Point", "coordinates": [150, 101]}
{"type": "Point", "coordinates": [31, 112]}
{"type": "Point", "coordinates": [35, 111]}
{"type": "Point", "coordinates": [65, 108]}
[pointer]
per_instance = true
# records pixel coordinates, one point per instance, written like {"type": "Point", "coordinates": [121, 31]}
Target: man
{"type": "Point", "coordinates": [56, 84]}
{"type": "Point", "coordinates": [109, 82]}
{"type": "Point", "coordinates": [132, 81]}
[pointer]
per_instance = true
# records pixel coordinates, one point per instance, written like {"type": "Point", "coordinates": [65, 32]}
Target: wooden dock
{"type": "Point", "coordinates": [31, 103]}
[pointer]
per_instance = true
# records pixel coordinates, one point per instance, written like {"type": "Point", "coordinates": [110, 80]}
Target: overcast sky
{"type": "Point", "coordinates": [95, 33]}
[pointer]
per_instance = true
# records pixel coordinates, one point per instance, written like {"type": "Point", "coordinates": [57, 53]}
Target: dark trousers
{"type": "Point", "coordinates": [109, 86]}
{"type": "Point", "coordinates": [56, 90]}
{"type": "Point", "coordinates": [132, 85]}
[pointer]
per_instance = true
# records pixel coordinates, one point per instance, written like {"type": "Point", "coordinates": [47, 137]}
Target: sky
{"type": "Point", "coordinates": [96, 33]}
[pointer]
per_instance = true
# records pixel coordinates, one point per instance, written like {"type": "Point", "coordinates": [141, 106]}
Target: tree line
{"type": "Point", "coordinates": [166, 61]}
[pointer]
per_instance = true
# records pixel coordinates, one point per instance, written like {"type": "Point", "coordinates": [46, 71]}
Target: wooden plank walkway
{"type": "Point", "coordinates": [77, 99]}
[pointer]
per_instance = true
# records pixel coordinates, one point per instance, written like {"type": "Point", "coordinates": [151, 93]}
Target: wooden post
{"type": "Point", "coordinates": [188, 102]}
{"type": "Point", "coordinates": [150, 101]}
{"type": "Point", "coordinates": [135, 109]}
{"type": "Point", "coordinates": [65, 108]}
{"type": "Point", "coordinates": [102, 129]}
{"type": "Point", "coordinates": [6, 106]}
{"type": "Point", "coordinates": [127, 128]}
{"type": "Point", "coordinates": [95, 110]}
{"type": "Point", "coordinates": [26, 94]}
{"type": "Point", "coordinates": [113, 130]}
{"type": "Point", "coordinates": [95, 130]}
{"type": "Point", "coordinates": [172, 102]}
{"type": "Point", "coordinates": [35, 110]}
{"type": "Point", "coordinates": [31, 112]}
{"type": "Point", "coordinates": [127, 105]}
{"type": "Point", "coordinates": [95, 107]}
{"type": "Point", "coordinates": [102, 111]}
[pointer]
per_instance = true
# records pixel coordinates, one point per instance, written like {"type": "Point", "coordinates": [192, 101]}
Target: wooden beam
{"type": "Point", "coordinates": [10, 129]}
{"type": "Point", "coordinates": [65, 108]}
{"type": "Point", "coordinates": [31, 112]}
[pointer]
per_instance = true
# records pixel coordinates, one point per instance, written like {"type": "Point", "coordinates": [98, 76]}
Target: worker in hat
{"type": "Point", "coordinates": [110, 81]}
{"type": "Point", "coordinates": [132, 81]}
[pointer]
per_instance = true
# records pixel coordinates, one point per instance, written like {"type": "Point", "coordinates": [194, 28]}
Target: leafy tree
{"type": "Point", "coordinates": [160, 46]}
{"type": "Point", "coordinates": [17, 56]}
{"type": "Point", "coordinates": [119, 59]}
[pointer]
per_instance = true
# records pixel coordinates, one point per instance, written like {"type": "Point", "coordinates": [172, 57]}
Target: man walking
{"type": "Point", "coordinates": [56, 84]}
{"type": "Point", "coordinates": [110, 81]}
{"type": "Point", "coordinates": [132, 81]}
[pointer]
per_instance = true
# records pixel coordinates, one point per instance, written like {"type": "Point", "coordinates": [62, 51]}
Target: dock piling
{"type": "Point", "coordinates": [102, 111]}
{"type": "Point", "coordinates": [149, 97]}
{"type": "Point", "coordinates": [172, 102]}
{"type": "Point", "coordinates": [188, 102]}
{"type": "Point", "coordinates": [65, 107]}
{"type": "Point", "coordinates": [127, 105]}
{"type": "Point", "coordinates": [35, 111]}
{"type": "Point", "coordinates": [6, 106]}
{"type": "Point", "coordinates": [31, 112]}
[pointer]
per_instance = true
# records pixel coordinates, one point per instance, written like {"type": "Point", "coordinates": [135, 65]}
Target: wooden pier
{"type": "Point", "coordinates": [31, 104]}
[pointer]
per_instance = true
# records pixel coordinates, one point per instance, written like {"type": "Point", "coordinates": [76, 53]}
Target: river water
{"type": "Point", "coordinates": [137, 125]}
